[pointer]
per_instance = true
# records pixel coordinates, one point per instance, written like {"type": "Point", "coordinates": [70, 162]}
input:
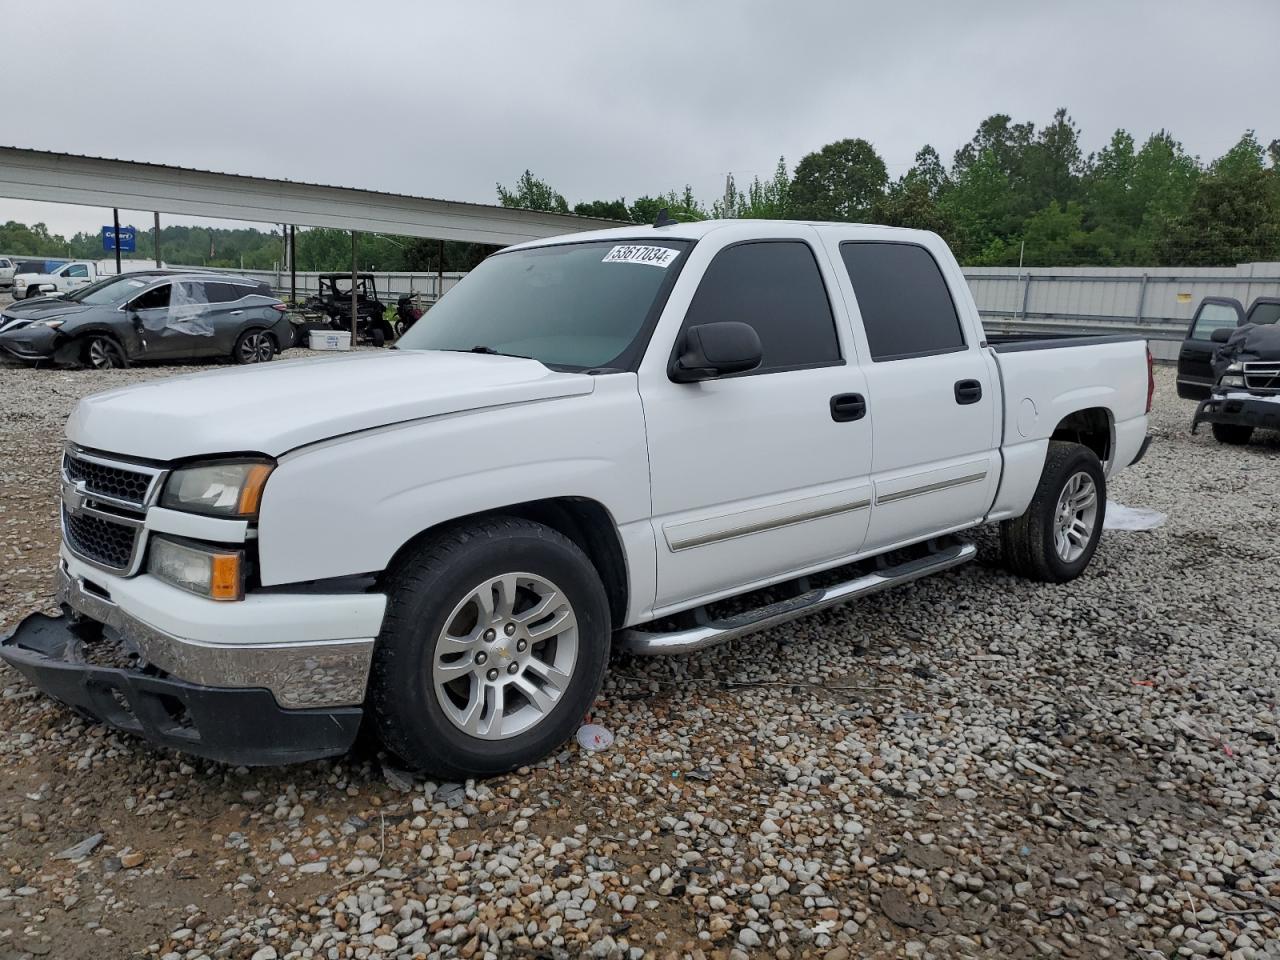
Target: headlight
{"type": "Point", "coordinates": [208, 571]}
{"type": "Point", "coordinates": [1232, 380]}
{"type": "Point", "coordinates": [232, 489]}
{"type": "Point", "coordinates": [51, 324]}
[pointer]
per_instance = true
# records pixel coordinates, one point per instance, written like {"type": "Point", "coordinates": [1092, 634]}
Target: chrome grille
{"type": "Point", "coordinates": [124, 483]}
{"type": "Point", "coordinates": [105, 542]}
{"type": "Point", "coordinates": [1262, 377]}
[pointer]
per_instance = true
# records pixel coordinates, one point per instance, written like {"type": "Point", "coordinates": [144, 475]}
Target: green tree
{"type": "Point", "coordinates": [604, 209]}
{"type": "Point", "coordinates": [1234, 213]}
{"type": "Point", "coordinates": [842, 181]}
{"type": "Point", "coordinates": [913, 199]}
{"type": "Point", "coordinates": [530, 193]}
{"type": "Point", "coordinates": [679, 206]}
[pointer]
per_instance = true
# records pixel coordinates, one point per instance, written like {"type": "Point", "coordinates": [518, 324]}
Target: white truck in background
{"type": "Point", "coordinates": [70, 276]}
{"type": "Point", "coordinates": [7, 270]}
{"type": "Point", "coordinates": [591, 441]}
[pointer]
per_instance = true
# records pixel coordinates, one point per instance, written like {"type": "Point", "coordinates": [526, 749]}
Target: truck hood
{"type": "Point", "coordinates": [275, 407]}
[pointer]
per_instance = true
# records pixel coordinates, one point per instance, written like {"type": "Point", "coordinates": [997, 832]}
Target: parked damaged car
{"type": "Point", "coordinates": [149, 315]}
{"type": "Point", "coordinates": [1246, 391]}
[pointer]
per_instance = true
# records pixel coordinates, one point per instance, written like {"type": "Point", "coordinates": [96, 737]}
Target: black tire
{"type": "Point", "coordinates": [378, 336]}
{"type": "Point", "coordinates": [1028, 542]}
{"type": "Point", "coordinates": [100, 351]}
{"type": "Point", "coordinates": [254, 346]}
{"type": "Point", "coordinates": [1234, 434]}
{"type": "Point", "coordinates": [423, 592]}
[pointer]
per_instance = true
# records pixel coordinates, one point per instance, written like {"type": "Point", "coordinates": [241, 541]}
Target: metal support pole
{"type": "Point", "coordinates": [355, 240]}
{"type": "Point", "coordinates": [156, 240]}
{"type": "Point", "coordinates": [115, 218]}
{"type": "Point", "coordinates": [293, 265]}
{"type": "Point", "coordinates": [1026, 294]}
{"type": "Point", "coordinates": [1142, 298]}
{"type": "Point", "coordinates": [440, 273]}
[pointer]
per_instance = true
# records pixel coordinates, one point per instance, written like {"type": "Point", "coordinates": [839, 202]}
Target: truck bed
{"type": "Point", "coordinates": [1017, 342]}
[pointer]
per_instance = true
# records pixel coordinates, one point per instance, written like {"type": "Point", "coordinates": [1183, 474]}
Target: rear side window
{"type": "Point", "coordinates": [217, 292]}
{"type": "Point", "coordinates": [1214, 316]}
{"type": "Point", "coordinates": [906, 308]}
{"type": "Point", "coordinates": [77, 270]}
{"type": "Point", "coordinates": [775, 286]}
{"type": "Point", "coordinates": [1267, 312]}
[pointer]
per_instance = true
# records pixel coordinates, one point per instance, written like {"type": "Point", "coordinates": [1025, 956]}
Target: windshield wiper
{"type": "Point", "coordinates": [490, 352]}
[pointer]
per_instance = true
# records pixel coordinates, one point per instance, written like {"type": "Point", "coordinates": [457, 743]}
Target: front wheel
{"type": "Point", "coordinates": [493, 648]}
{"type": "Point", "coordinates": [254, 346]}
{"type": "Point", "coordinates": [1056, 538]}
{"type": "Point", "coordinates": [101, 352]}
{"type": "Point", "coordinates": [1232, 433]}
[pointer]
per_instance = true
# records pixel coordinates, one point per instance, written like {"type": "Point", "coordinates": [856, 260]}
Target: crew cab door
{"type": "Point", "coordinates": [759, 475]}
{"type": "Point", "coordinates": [1195, 358]}
{"type": "Point", "coordinates": [73, 275]}
{"type": "Point", "coordinates": [931, 389]}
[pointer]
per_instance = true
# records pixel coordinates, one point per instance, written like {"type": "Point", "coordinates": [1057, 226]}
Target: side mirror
{"type": "Point", "coordinates": [1221, 335]}
{"type": "Point", "coordinates": [713, 350]}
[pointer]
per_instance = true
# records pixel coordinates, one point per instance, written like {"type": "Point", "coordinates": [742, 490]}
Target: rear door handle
{"type": "Point", "coordinates": [848, 406]}
{"type": "Point", "coordinates": [968, 391]}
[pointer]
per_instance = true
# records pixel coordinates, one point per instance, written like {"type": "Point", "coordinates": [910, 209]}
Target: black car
{"type": "Point", "coordinates": [1195, 359]}
{"type": "Point", "coordinates": [150, 315]}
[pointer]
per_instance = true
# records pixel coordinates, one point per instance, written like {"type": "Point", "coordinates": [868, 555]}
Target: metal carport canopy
{"type": "Point", "coordinates": [126, 184]}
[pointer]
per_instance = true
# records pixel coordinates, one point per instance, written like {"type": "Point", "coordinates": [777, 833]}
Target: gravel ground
{"type": "Point", "coordinates": [970, 766]}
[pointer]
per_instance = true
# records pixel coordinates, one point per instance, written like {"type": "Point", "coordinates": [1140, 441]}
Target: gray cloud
{"type": "Point", "coordinates": [609, 99]}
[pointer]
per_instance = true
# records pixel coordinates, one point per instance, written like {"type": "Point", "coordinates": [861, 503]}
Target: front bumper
{"type": "Point", "coordinates": [1238, 409]}
{"type": "Point", "coordinates": [241, 726]}
{"type": "Point", "coordinates": [30, 343]}
{"type": "Point", "coordinates": [260, 681]}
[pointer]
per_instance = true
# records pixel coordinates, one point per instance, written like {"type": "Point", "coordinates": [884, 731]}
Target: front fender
{"type": "Point", "coordinates": [347, 505]}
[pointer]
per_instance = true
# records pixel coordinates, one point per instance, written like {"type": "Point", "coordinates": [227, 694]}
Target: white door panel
{"type": "Point", "coordinates": [752, 478]}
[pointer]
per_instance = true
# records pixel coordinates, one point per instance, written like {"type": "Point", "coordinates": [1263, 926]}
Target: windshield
{"type": "Point", "coordinates": [574, 305]}
{"type": "Point", "coordinates": [108, 291]}
{"type": "Point", "coordinates": [1266, 312]}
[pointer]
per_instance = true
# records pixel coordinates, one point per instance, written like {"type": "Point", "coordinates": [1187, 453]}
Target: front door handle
{"type": "Point", "coordinates": [236, 313]}
{"type": "Point", "coordinates": [848, 406]}
{"type": "Point", "coordinates": [968, 391]}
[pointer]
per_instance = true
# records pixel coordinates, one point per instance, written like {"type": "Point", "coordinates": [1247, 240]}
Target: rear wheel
{"type": "Point", "coordinates": [1056, 538]}
{"type": "Point", "coordinates": [101, 352]}
{"type": "Point", "coordinates": [1232, 433]}
{"type": "Point", "coordinates": [254, 346]}
{"type": "Point", "coordinates": [493, 648]}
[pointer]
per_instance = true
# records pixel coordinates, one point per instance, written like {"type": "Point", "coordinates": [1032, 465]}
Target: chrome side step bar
{"type": "Point", "coordinates": [639, 641]}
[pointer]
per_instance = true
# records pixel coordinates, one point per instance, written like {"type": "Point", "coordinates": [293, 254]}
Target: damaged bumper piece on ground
{"type": "Point", "coordinates": [236, 704]}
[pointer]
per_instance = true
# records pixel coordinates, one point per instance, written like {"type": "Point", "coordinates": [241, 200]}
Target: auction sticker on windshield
{"type": "Point", "coordinates": [651, 256]}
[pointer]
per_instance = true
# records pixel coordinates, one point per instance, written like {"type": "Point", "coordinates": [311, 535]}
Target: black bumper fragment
{"type": "Point", "coordinates": [1238, 410]}
{"type": "Point", "coordinates": [240, 726]}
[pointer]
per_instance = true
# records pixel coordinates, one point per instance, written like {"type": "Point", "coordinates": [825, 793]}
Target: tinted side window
{"type": "Point", "coordinates": [152, 299]}
{"type": "Point", "coordinates": [1213, 316]}
{"type": "Point", "coordinates": [775, 286]}
{"type": "Point", "coordinates": [1264, 313]}
{"type": "Point", "coordinates": [907, 310]}
{"type": "Point", "coordinates": [77, 270]}
{"type": "Point", "coordinates": [218, 292]}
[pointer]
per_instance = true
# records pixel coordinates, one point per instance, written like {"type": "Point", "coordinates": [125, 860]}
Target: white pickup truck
{"type": "Point", "coordinates": [69, 276]}
{"type": "Point", "coordinates": [588, 444]}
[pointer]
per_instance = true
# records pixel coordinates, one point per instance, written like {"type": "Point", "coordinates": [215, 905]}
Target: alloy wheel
{"type": "Point", "coordinates": [1075, 517]}
{"type": "Point", "coordinates": [505, 656]}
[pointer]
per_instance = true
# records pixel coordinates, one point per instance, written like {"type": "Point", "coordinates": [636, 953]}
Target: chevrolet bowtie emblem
{"type": "Point", "coordinates": [504, 653]}
{"type": "Point", "coordinates": [73, 495]}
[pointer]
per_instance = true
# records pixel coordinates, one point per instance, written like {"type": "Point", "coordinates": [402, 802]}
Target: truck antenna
{"type": "Point", "coordinates": [664, 219]}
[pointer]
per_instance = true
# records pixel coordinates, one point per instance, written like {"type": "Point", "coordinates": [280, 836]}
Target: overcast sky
{"type": "Point", "coordinates": [608, 99]}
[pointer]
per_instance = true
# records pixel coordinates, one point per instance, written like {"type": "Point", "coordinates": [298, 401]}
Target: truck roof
{"type": "Point", "coordinates": [697, 229]}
